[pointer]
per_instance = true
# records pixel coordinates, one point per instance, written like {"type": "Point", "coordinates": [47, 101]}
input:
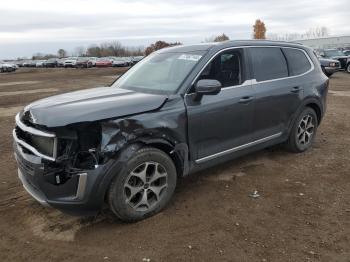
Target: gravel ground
{"type": "Point", "coordinates": [302, 212]}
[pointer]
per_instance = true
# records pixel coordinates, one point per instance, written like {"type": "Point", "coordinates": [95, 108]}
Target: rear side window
{"type": "Point", "coordinates": [268, 63]}
{"type": "Point", "coordinates": [297, 61]}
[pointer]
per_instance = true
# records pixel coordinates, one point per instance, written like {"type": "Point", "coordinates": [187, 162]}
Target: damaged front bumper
{"type": "Point", "coordinates": [83, 194]}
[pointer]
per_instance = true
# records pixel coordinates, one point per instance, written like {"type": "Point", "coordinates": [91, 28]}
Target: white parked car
{"type": "Point", "coordinates": [7, 67]}
{"type": "Point", "coordinates": [70, 62]}
{"type": "Point", "coordinates": [93, 60]}
{"type": "Point", "coordinates": [39, 63]}
{"type": "Point", "coordinates": [119, 61]}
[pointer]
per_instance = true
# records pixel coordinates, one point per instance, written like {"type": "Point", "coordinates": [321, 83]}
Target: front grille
{"type": "Point", "coordinates": [35, 141]}
{"type": "Point", "coordinates": [24, 165]}
{"type": "Point", "coordinates": [45, 145]}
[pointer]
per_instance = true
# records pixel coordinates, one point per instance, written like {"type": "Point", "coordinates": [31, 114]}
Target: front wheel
{"type": "Point", "coordinates": [145, 187]}
{"type": "Point", "coordinates": [303, 131]}
{"type": "Point", "coordinates": [348, 68]}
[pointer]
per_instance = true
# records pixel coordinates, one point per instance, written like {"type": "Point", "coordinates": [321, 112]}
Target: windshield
{"type": "Point", "coordinates": [333, 53]}
{"type": "Point", "coordinates": [159, 72]}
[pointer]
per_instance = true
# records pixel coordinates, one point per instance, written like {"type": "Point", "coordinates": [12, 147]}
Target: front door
{"type": "Point", "coordinates": [218, 123]}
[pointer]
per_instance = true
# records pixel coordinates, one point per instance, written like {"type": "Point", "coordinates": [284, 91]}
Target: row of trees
{"type": "Point", "coordinates": [115, 48]}
{"type": "Point", "coordinates": [316, 32]}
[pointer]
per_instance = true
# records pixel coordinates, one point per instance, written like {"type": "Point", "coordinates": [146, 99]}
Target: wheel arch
{"type": "Point", "coordinates": [313, 103]}
{"type": "Point", "coordinates": [317, 109]}
{"type": "Point", "coordinates": [178, 152]}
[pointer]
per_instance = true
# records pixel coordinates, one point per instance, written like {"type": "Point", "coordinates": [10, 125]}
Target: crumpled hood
{"type": "Point", "coordinates": [91, 105]}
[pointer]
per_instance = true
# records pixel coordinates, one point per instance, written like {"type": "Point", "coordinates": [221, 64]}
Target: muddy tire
{"type": "Point", "coordinates": [145, 187]}
{"type": "Point", "coordinates": [303, 131]}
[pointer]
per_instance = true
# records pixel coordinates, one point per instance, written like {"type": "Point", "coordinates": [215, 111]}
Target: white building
{"type": "Point", "coordinates": [327, 42]}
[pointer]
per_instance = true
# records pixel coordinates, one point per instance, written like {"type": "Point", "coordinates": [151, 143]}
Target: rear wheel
{"type": "Point", "coordinates": [303, 131]}
{"type": "Point", "coordinates": [145, 187]}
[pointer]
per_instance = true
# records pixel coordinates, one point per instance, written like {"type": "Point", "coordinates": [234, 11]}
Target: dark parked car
{"type": "Point", "coordinates": [178, 111]}
{"type": "Point", "coordinates": [52, 62]}
{"type": "Point", "coordinates": [337, 55]}
{"type": "Point", "coordinates": [329, 66]}
{"type": "Point", "coordinates": [83, 62]}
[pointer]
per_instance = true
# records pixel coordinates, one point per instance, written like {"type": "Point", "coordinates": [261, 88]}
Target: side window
{"type": "Point", "coordinates": [297, 61]}
{"type": "Point", "coordinates": [268, 63]}
{"type": "Point", "coordinates": [226, 68]}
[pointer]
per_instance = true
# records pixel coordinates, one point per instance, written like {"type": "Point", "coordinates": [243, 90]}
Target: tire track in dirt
{"type": "Point", "coordinates": [24, 92]}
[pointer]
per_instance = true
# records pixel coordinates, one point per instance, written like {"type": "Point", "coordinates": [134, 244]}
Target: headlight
{"type": "Point", "coordinates": [332, 64]}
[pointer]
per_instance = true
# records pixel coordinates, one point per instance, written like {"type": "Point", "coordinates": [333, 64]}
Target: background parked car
{"type": "Point", "coordinates": [337, 55]}
{"type": "Point", "coordinates": [103, 62]}
{"type": "Point", "coordinates": [120, 62]}
{"type": "Point", "coordinates": [29, 63]}
{"type": "Point", "coordinates": [136, 59]}
{"type": "Point", "coordinates": [60, 62]}
{"type": "Point", "coordinates": [52, 62]}
{"type": "Point", "coordinates": [70, 62]}
{"type": "Point", "coordinates": [39, 63]}
{"type": "Point", "coordinates": [83, 62]}
{"type": "Point", "coordinates": [346, 52]}
{"type": "Point", "coordinates": [93, 60]}
{"type": "Point", "coordinates": [7, 67]}
{"type": "Point", "coordinates": [329, 66]}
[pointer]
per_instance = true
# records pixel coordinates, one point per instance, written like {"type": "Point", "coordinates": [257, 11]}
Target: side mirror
{"type": "Point", "coordinates": [208, 87]}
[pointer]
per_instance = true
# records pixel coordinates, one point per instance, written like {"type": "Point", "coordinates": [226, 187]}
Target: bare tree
{"type": "Point", "coordinates": [259, 30]}
{"type": "Point", "coordinates": [221, 38]}
{"type": "Point", "coordinates": [62, 53]}
{"type": "Point", "coordinates": [316, 32]}
{"type": "Point", "coordinates": [80, 51]}
{"type": "Point", "coordinates": [218, 38]}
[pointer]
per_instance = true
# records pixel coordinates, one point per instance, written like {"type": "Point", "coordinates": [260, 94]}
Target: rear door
{"type": "Point", "coordinates": [278, 92]}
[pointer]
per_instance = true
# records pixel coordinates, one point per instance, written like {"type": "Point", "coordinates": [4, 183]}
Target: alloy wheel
{"type": "Point", "coordinates": [305, 130]}
{"type": "Point", "coordinates": [145, 186]}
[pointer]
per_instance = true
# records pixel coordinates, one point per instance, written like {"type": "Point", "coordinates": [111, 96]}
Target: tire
{"type": "Point", "coordinates": [132, 196]}
{"type": "Point", "coordinates": [303, 132]}
{"type": "Point", "coordinates": [348, 68]}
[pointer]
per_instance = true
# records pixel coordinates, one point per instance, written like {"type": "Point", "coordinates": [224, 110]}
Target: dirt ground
{"type": "Point", "coordinates": [302, 212]}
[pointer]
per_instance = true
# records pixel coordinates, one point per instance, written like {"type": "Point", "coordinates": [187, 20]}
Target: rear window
{"type": "Point", "coordinates": [268, 63]}
{"type": "Point", "coordinates": [297, 61]}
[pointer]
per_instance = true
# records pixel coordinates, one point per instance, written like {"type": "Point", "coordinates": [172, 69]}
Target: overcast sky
{"type": "Point", "coordinates": [30, 26]}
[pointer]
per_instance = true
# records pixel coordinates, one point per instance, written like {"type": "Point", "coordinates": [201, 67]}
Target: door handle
{"type": "Point", "coordinates": [246, 99]}
{"type": "Point", "coordinates": [296, 89]}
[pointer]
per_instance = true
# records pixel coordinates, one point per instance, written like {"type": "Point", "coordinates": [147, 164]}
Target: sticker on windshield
{"type": "Point", "coordinates": [189, 57]}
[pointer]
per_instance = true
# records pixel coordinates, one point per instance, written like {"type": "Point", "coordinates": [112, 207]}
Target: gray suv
{"type": "Point", "coordinates": [177, 111]}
